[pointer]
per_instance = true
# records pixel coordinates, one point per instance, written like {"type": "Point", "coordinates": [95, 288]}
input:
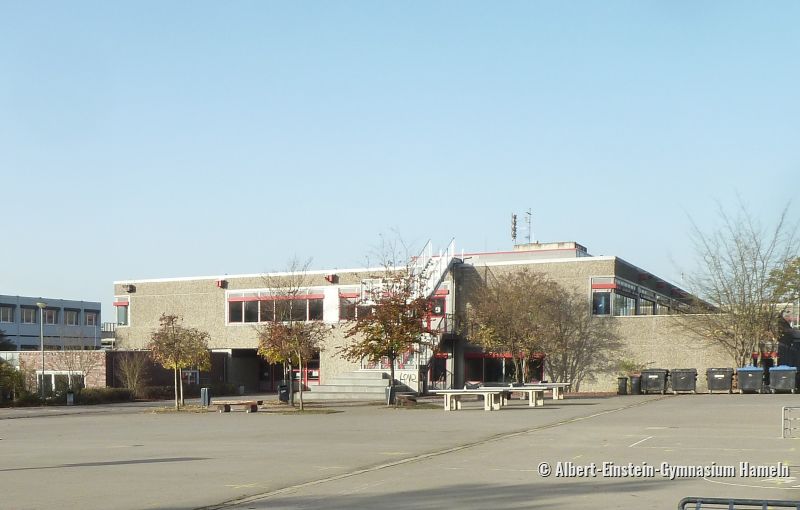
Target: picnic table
{"type": "Point", "coordinates": [556, 387]}
{"type": "Point", "coordinates": [494, 397]}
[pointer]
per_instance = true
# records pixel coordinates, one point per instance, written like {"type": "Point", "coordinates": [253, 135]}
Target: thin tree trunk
{"type": "Point", "coordinates": [180, 378]}
{"type": "Point", "coordinates": [300, 361]}
{"type": "Point", "coordinates": [177, 406]}
{"type": "Point", "coordinates": [391, 382]}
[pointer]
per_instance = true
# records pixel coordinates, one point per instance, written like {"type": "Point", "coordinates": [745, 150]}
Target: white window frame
{"type": "Point", "coordinates": [27, 309]}
{"type": "Point", "coordinates": [127, 310]}
{"type": "Point", "coordinates": [93, 315]}
{"type": "Point", "coordinates": [10, 318]}
{"type": "Point", "coordinates": [67, 313]}
{"type": "Point", "coordinates": [46, 316]}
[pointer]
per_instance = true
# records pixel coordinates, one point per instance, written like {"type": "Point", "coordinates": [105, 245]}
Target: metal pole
{"type": "Point", "coordinates": [41, 344]}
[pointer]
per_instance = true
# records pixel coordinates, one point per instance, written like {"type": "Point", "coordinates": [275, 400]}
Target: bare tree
{"type": "Point", "coordinates": [176, 347]}
{"type": "Point", "coordinates": [578, 345]}
{"type": "Point", "coordinates": [508, 314]}
{"type": "Point", "coordinates": [738, 306]}
{"type": "Point", "coordinates": [132, 370]}
{"type": "Point", "coordinates": [391, 313]}
{"type": "Point", "coordinates": [292, 330]}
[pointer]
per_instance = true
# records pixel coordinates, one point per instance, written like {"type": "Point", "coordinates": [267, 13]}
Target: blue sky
{"type": "Point", "coordinates": [157, 139]}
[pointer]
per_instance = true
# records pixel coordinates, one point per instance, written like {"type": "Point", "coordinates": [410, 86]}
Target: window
{"type": "Point", "coordinates": [601, 303]}
{"type": "Point", "coordinates": [624, 305]}
{"type": "Point", "coordinates": [6, 314]}
{"type": "Point", "coordinates": [267, 311]}
{"type": "Point", "coordinates": [90, 318]}
{"type": "Point", "coordinates": [50, 316]}
{"type": "Point", "coordinates": [315, 309]}
{"type": "Point", "coordinates": [123, 316]}
{"type": "Point", "coordinates": [71, 317]}
{"type": "Point", "coordinates": [646, 307]}
{"type": "Point", "coordinates": [235, 311]}
{"type": "Point", "coordinates": [29, 315]}
{"type": "Point", "coordinates": [251, 311]}
{"type": "Point", "coordinates": [347, 309]}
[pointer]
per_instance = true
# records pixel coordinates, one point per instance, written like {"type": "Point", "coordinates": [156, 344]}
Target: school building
{"type": "Point", "coordinates": [231, 307]}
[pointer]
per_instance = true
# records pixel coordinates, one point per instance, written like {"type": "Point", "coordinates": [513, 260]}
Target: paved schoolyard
{"type": "Point", "coordinates": [372, 457]}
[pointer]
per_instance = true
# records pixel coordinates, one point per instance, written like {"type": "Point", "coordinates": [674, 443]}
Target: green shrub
{"type": "Point", "coordinates": [220, 389]}
{"type": "Point", "coordinates": [26, 399]}
{"type": "Point", "coordinates": [90, 396]}
{"type": "Point", "coordinates": [157, 393]}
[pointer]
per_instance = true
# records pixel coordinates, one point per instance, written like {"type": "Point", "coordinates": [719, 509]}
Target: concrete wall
{"type": "Point", "coordinates": [658, 341]}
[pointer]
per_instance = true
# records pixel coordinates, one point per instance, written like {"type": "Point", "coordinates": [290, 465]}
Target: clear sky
{"type": "Point", "coordinates": [157, 139]}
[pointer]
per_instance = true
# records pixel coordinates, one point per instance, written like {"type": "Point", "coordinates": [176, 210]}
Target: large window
{"type": "Point", "coordinates": [6, 314]}
{"type": "Point", "coordinates": [29, 315]}
{"type": "Point", "coordinates": [262, 307]}
{"type": "Point", "coordinates": [51, 316]}
{"type": "Point", "coordinates": [121, 303]}
{"type": "Point", "coordinates": [624, 305]}
{"type": "Point", "coordinates": [646, 307]}
{"type": "Point", "coordinates": [235, 309]}
{"type": "Point", "coordinates": [90, 318]}
{"type": "Point", "coordinates": [71, 317]}
{"type": "Point", "coordinates": [601, 303]}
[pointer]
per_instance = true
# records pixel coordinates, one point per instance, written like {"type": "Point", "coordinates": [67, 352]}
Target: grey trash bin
{"type": "Point", "coordinates": [205, 397]}
{"type": "Point", "coordinates": [683, 379]}
{"type": "Point", "coordinates": [622, 385]}
{"type": "Point", "coordinates": [654, 380]}
{"type": "Point", "coordinates": [283, 392]}
{"type": "Point", "coordinates": [636, 384]}
{"type": "Point", "coordinates": [751, 379]}
{"type": "Point", "coordinates": [783, 378]}
{"type": "Point", "coordinates": [719, 379]}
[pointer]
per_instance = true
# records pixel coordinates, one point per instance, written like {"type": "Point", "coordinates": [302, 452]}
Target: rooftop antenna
{"type": "Point", "coordinates": [529, 222]}
{"type": "Point", "coordinates": [514, 228]}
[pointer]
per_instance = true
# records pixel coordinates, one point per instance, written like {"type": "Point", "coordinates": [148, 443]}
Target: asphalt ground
{"type": "Point", "coordinates": [130, 457]}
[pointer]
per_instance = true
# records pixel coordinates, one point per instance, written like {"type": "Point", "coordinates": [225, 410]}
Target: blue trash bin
{"type": "Point", "coordinates": [783, 378]}
{"type": "Point", "coordinates": [751, 379]}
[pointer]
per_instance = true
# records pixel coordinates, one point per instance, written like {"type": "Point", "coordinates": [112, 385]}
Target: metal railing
{"type": "Point", "coordinates": [735, 504]}
{"type": "Point", "coordinates": [790, 422]}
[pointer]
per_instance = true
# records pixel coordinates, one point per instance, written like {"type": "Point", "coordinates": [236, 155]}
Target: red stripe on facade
{"type": "Point", "coordinates": [276, 298]}
{"type": "Point", "coordinates": [442, 292]}
{"type": "Point", "coordinates": [604, 285]}
{"type": "Point", "coordinates": [121, 303]}
{"type": "Point", "coordinates": [348, 294]}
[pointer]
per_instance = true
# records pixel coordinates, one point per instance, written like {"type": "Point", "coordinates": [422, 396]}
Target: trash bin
{"type": "Point", "coordinates": [205, 397]}
{"type": "Point", "coordinates": [390, 395]}
{"type": "Point", "coordinates": [719, 379]}
{"type": "Point", "coordinates": [654, 380]}
{"type": "Point", "coordinates": [751, 379]}
{"type": "Point", "coordinates": [283, 392]}
{"type": "Point", "coordinates": [622, 385]}
{"type": "Point", "coordinates": [683, 379]}
{"type": "Point", "coordinates": [636, 384]}
{"type": "Point", "coordinates": [70, 398]}
{"type": "Point", "coordinates": [783, 378]}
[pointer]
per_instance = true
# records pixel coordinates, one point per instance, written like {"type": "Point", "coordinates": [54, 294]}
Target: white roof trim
{"type": "Point", "coordinates": [253, 275]}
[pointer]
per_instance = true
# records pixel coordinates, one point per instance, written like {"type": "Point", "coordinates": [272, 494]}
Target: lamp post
{"type": "Point", "coordinates": [41, 306]}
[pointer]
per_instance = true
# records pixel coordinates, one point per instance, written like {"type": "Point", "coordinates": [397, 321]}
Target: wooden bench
{"type": "Point", "coordinates": [224, 406]}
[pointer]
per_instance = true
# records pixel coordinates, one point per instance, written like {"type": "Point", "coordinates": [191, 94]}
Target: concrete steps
{"type": "Point", "coordinates": [359, 385]}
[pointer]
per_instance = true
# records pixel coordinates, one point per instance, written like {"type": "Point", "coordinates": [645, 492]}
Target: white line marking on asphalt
{"type": "Point", "coordinates": [752, 486]}
{"type": "Point", "coordinates": [640, 442]}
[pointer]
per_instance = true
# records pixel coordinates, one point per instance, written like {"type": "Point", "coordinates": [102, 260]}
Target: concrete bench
{"type": "Point", "coordinates": [225, 406]}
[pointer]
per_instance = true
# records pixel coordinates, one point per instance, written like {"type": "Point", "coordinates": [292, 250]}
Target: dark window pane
{"type": "Point", "coordinates": [601, 303]}
{"type": "Point", "coordinates": [315, 309]}
{"type": "Point", "coordinates": [235, 311]}
{"type": "Point", "coordinates": [251, 311]}
{"type": "Point", "coordinates": [282, 310]}
{"type": "Point", "coordinates": [347, 309]}
{"type": "Point", "coordinates": [122, 315]}
{"type": "Point", "coordinates": [267, 311]}
{"type": "Point", "coordinates": [437, 306]}
{"type": "Point", "coordinates": [299, 309]}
